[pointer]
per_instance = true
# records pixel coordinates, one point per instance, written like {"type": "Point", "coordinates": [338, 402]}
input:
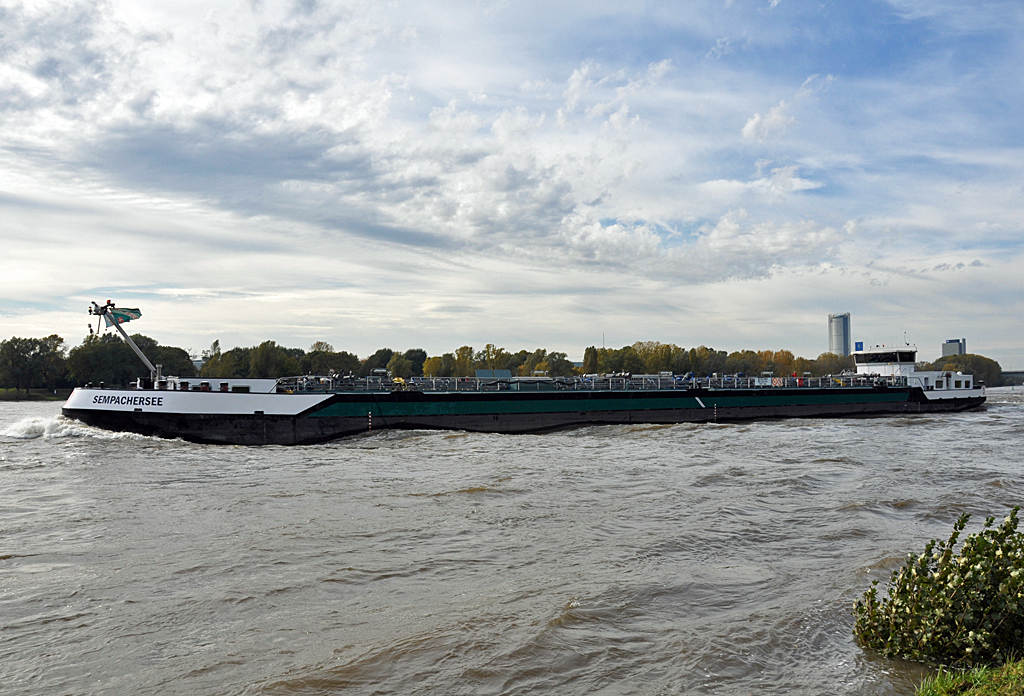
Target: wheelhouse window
{"type": "Point", "coordinates": [896, 356]}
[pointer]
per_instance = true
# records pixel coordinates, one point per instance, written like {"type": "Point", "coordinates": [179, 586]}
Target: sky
{"type": "Point", "coordinates": [528, 174]}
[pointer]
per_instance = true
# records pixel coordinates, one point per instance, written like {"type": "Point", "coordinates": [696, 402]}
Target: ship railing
{"type": "Point", "coordinates": [618, 382]}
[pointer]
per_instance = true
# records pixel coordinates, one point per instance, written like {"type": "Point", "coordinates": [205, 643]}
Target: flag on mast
{"type": "Point", "coordinates": [121, 315]}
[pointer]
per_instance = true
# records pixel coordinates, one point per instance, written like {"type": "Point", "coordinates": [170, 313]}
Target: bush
{"type": "Point", "coordinates": [944, 607]}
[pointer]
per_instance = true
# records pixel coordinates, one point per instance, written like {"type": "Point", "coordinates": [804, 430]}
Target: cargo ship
{"type": "Point", "coordinates": [311, 409]}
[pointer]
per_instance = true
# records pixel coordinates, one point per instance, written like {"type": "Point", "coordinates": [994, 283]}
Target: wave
{"type": "Point", "coordinates": [59, 427]}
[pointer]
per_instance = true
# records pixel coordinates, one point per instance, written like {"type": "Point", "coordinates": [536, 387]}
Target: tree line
{"type": "Point", "coordinates": [31, 363]}
{"type": "Point", "coordinates": [46, 363]}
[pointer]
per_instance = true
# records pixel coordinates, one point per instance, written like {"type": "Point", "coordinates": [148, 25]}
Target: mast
{"type": "Point", "coordinates": [105, 311]}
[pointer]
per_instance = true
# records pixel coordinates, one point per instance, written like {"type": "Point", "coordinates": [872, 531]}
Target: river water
{"type": "Point", "coordinates": [687, 559]}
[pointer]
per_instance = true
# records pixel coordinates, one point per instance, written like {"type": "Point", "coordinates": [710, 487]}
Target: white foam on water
{"type": "Point", "coordinates": [59, 427]}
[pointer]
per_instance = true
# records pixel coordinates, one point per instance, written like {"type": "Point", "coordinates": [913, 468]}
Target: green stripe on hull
{"type": "Point", "coordinates": [453, 405]}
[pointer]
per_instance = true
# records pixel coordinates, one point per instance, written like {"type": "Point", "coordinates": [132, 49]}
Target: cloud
{"type": "Point", "coordinates": [814, 84]}
{"type": "Point", "coordinates": [643, 82]}
{"type": "Point", "coordinates": [783, 181]}
{"type": "Point", "coordinates": [776, 121]}
{"type": "Point", "coordinates": [721, 48]}
{"type": "Point", "coordinates": [736, 247]}
{"type": "Point", "coordinates": [958, 18]}
{"type": "Point", "coordinates": [780, 117]}
{"type": "Point", "coordinates": [578, 85]}
{"type": "Point", "coordinates": [411, 160]}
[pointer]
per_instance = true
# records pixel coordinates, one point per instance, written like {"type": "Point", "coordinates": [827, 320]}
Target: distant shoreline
{"type": "Point", "coordinates": [35, 395]}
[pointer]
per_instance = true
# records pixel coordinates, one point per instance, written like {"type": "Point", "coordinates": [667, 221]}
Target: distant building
{"type": "Point", "coordinates": [954, 346]}
{"type": "Point", "coordinates": [839, 334]}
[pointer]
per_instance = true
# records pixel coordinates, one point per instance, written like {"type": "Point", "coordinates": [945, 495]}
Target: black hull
{"type": "Point", "coordinates": [497, 413]}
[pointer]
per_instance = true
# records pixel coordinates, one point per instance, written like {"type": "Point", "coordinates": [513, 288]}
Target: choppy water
{"type": "Point", "coordinates": [689, 559]}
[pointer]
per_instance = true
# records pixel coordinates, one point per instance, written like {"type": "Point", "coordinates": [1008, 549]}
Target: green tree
{"type": "Point", "coordinates": [379, 360]}
{"type": "Point", "coordinates": [515, 361]}
{"type": "Point", "coordinates": [400, 366]}
{"type": "Point", "coordinates": [110, 360]}
{"type": "Point", "coordinates": [705, 361]}
{"type": "Point", "coordinates": [242, 358]}
{"type": "Point", "coordinates": [609, 360]}
{"type": "Point", "coordinates": [416, 356]}
{"type": "Point", "coordinates": [558, 365]}
{"type": "Point", "coordinates": [217, 364]}
{"type": "Point", "coordinates": [31, 362]}
{"type": "Point", "coordinates": [632, 362]}
{"type": "Point", "coordinates": [52, 361]}
{"type": "Point", "coordinates": [590, 361]}
{"type": "Point", "coordinates": [681, 362]}
{"type": "Point", "coordinates": [322, 360]}
{"type": "Point", "coordinates": [104, 358]}
{"type": "Point", "coordinates": [175, 361]}
{"type": "Point", "coordinates": [269, 360]}
{"type": "Point", "coordinates": [221, 365]}
{"type": "Point", "coordinates": [747, 362]}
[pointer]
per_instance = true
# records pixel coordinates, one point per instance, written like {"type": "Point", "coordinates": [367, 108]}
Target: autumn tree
{"type": "Point", "coordinates": [440, 366]}
{"type": "Point", "coordinates": [782, 362]}
{"type": "Point", "coordinates": [832, 364]}
{"type": "Point", "coordinates": [432, 367]}
{"type": "Point", "coordinates": [464, 364]}
{"type": "Point", "coordinates": [492, 358]}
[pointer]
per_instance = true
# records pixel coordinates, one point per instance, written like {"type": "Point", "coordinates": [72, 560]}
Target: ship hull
{"type": "Point", "coordinates": [292, 419]}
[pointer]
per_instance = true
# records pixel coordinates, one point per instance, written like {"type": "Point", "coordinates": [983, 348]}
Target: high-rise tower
{"type": "Point", "coordinates": [839, 334]}
{"type": "Point", "coordinates": [954, 346]}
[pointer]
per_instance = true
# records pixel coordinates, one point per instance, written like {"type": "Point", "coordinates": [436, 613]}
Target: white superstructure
{"type": "Point", "coordinates": [901, 361]}
{"type": "Point", "coordinates": [179, 401]}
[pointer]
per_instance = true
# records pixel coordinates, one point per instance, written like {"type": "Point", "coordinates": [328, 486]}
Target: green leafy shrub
{"type": "Point", "coordinates": [945, 607]}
